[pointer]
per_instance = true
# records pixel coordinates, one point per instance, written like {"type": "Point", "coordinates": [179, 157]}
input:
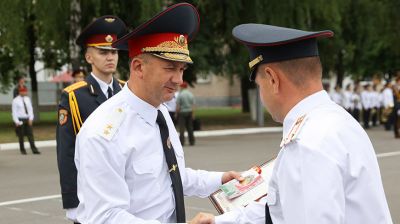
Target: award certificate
{"type": "Point", "coordinates": [225, 203]}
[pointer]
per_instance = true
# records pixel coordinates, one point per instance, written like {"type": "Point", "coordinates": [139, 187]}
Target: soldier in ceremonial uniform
{"type": "Point", "coordinates": [130, 162]}
{"type": "Point", "coordinates": [80, 99]}
{"type": "Point", "coordinates": [326, 170]}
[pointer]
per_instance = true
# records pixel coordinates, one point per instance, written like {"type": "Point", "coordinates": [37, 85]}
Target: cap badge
{"type": "Point", "coordinates": [109, 20]}
{"type": "Point", "coordinates": [181, 40]}
{"type": "Point", "coordinates": [255, 61]}
{"type": "Point", "coordinates": [109, 38]}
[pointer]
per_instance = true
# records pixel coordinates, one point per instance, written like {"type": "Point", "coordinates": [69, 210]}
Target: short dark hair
{"type": "Point", "coordinates": [301, 70]}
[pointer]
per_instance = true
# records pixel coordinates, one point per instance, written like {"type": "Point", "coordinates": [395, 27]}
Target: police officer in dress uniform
{"type": "Point", "coordinates": [22, 115]}
{"type": "Point", "coordinates": [326, 170]}
{"type": "Point", "coordinates": [130, 162]}
{"type": "Point", "coordinates": [80, 99]}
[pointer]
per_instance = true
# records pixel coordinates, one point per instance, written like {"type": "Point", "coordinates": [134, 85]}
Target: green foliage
{"type": "Point", "coordinates": [365, 42]}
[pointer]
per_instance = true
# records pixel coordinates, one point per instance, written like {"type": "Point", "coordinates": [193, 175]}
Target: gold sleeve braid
{"type": "Point", "coordinates": [75, 114]}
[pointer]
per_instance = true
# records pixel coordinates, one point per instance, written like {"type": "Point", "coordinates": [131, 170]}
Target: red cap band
{"type": "Point", "coordinates": [101, 40]}
{"type": "Point", "coordinates": [158, 43]}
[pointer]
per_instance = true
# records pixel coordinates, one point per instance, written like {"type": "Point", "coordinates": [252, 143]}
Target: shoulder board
{"type": "Point", "coordinates": [294, 131]}
{"type": "Point", "coordinates": [112, 123]}
{"type": "Point", "coordinates": [122, 82]}
{"type": "Point", "coordinates": [75, 86]}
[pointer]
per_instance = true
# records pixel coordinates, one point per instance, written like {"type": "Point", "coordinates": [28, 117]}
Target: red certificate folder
{"type": "Point", "coordinates": [223, 204]}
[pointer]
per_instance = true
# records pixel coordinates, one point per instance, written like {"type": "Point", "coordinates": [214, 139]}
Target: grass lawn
{"type": "Point", "coordinates": [211, 119]}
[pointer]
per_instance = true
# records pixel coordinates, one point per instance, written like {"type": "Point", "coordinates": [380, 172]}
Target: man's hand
{"type": "Point", "coordinates": [30, 122]}
{"type": "Point", "coordinates": [203, 218]}
{"type": "Point", "coordinates": [230, 175]}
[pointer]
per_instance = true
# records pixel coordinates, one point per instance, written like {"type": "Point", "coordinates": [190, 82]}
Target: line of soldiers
{"type": "Point", "coordinates": [372, 104]}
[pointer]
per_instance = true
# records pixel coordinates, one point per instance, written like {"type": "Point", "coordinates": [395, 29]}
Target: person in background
{"type": "Point", "coordinates": [337, 95]}
{"type": "Point", "coordinates": [171, 106]}
{"type": "Point", "coordinates": [375, 105]}
{"type": "Point", "coordinates": [347, 99]}
{"type": "Point", "coordinates": [387, 105]}
{"type": "Point", "coordinates": [356, 101]}
{"type": "Point", "coordinates": [78, 75]}
{"type": "Point", "coordinates": [80, 99]}
{"type": "Point", "coordinates": [366, 104]}
{"type": "Point", "coordinates": [185, 108]}
{"type": "Point", "coordinates": [22, 114]}
{"type": "Point", "coordinates": [396, 110]}
{"type": "Point", "coordinates": [20, 84]}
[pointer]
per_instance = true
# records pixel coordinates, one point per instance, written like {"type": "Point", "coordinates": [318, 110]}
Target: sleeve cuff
{"type": "Point", "coordinates": [216, 181]}
{"type": "Point", "coordinates": [226, 218]}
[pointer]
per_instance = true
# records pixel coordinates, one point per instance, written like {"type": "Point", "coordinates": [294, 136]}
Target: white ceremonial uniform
{"type": "Point", "coordinates": [366, 99]}
{"type": "Point", "coordinates": [356, 101]}
{"type": "Point", "coordinates": [122, 172]}
{"type": "Point", "coordinates": [171, 104]}
{"type": "Point", "coordinates": [375, 101]}
{"type": "Point", "coordinates": [18, 110]}
{"type": "Point", "coordinates": [387, 98]}
{"type": "Point", "coordinates": [347, 100]}
{"type": "Point", "coordinates": [326, 171]}
{"type": "Point", "coordinates": [337, 98]}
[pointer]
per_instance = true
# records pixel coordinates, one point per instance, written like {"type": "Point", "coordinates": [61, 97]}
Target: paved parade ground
{"type": "Point", "coordinates": [29, 185]}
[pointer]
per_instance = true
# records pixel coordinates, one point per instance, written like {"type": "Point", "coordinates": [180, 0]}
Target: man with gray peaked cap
{"type": "Point", "coordinates": [326, 170]}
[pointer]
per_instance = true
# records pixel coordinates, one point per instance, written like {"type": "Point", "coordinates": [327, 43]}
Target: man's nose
{"type": "Point", "coordinates": [178, 77]}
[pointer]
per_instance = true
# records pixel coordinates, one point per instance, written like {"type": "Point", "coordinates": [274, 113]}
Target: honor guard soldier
{"type": "Point", "coordinates": [326, 170]}
{"type": "Point", "coordinates": [130, 161]}
{"type": "Point", "coordinates": [80, 99]}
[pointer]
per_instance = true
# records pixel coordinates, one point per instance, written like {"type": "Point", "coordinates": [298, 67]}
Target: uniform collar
{"type": "Point", "coordinates": [103, 86]}
{"type": "Point", "coordinates": [145, 110]}
{"type": "Point", "coordinates": [303, 107]}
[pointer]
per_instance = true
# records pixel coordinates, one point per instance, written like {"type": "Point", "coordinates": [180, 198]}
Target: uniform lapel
{"type": "Point", "coordinates": [116, 86]}
{"type": "Point", "coordinates": [94, 89]}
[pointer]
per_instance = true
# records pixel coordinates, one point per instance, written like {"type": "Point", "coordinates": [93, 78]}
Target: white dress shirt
{"type": "Point", "coordinates": [387, 98]}
{"type": "Point", "coordinates": [375, 100]}
{"type": "Point", "coordinates": [356, 100]}
{"type": "Point", "coordinates": [366, 99]}
{"type": "Point", "coordinates": [337, 97]}
{"type": "Point", "coordinates": [103, 85]}
{"type": "Point", "coordinates": [327, 174]}
{"type": "Point", "coordinates": [122, 172]}
{"type": "Point", "coordinates": [18, 110]}
{"type": "Point", "coordinates": [347, 100]}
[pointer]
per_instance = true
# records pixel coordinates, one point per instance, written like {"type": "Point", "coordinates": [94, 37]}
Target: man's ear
{"type": "Point", "coordinates": [273, 78]}
{"type": "Point", "coordinates": [88, 57]}
{"type": "Point", "coordinates": [136, 67]}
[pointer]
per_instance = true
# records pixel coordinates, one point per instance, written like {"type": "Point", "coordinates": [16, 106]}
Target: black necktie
{"type": "Point", "coordinates": [23, 101]}
{"type": "Point", "coordinates": [110, 92]}
{"type": "Point", "coordinates": [173, 168]}
{"type": "Point", "coordinates": [268, 219]}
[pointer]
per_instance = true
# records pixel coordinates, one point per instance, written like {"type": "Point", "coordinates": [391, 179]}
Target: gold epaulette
{"type": "Point", "coordinates": [294, 131]}
{"type": "Point", "coordinates": [75, 113]}
{"type": "Point", "coordinates": [75, 86]}
{"type": "Point", "coordinates": [73, 105]}
{"type": "Point", "coordinates": [121, 81]}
